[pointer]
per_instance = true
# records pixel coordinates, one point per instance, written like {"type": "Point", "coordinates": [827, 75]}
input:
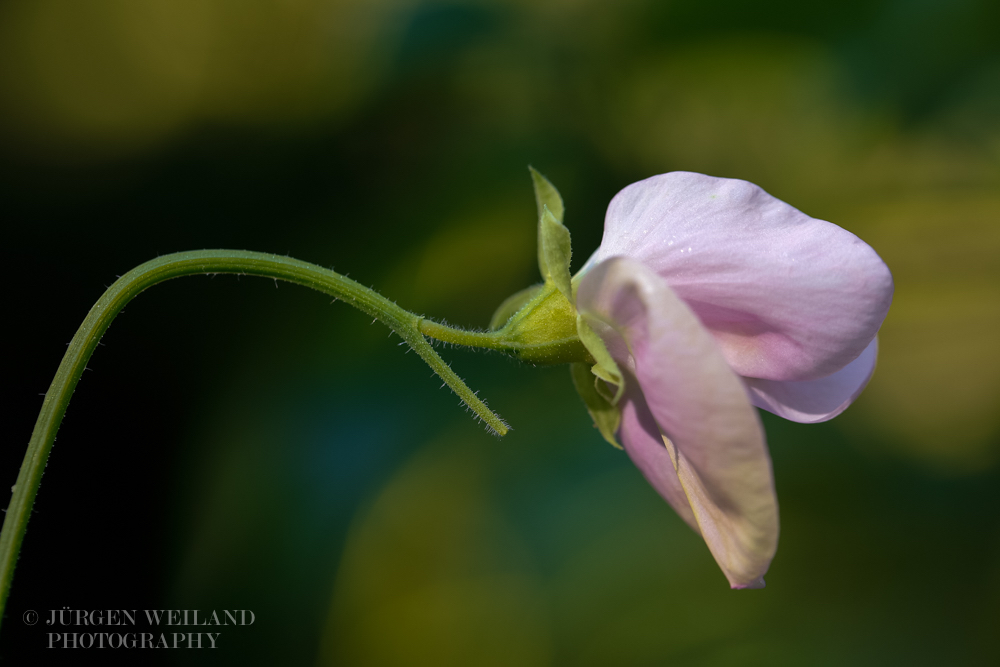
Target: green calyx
{"type": "Point", "coordinates": [542, 326]}
{"type": "Point", "coordinates": [540, 322]}
{"type": "Point", "coordinates": [543, 330]}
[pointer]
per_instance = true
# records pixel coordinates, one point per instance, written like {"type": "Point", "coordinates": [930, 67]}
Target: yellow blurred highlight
{"type": "Point", "coordinates": [100, 78]}
{"type": "Point", "coordinates": [432, 575]}
{"type": "Point", "coordinates": [937, 386]}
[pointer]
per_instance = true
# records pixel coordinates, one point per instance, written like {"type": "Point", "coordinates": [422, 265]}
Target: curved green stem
{"type": "Point", "coordinates": [404, 323]}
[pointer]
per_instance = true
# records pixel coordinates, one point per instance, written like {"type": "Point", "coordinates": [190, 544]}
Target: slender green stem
{"type": "Point", "coordinates": [501, 340]}
{"type": "Point", "coordinates": [404, 323]}
{"type": "Point", "coordinates": [491, 340]}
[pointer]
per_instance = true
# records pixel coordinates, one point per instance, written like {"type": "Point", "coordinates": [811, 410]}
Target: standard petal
{"type": "Point", "coordinates": [813, 401]}
{"type": "Point", "coordinates": [710, 432]}
{"type": "Point", "coordinates": [787, 296]}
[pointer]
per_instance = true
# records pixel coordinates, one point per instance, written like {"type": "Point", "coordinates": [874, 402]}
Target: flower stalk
{"type": "Point", "coordinates": [410, 327]}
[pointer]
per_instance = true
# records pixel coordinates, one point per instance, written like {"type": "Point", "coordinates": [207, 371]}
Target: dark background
{"type": "Point", "coordinates": [238, 446]}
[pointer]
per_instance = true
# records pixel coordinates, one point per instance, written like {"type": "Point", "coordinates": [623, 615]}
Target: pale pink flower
{"type": "Point", "coordinates": [714, 297]}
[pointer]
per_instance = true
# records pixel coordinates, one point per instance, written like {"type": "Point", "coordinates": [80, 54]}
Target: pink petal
{"type": "Point", "coordinates": [710, 432]}
{"type": "Point", "coordinates": [787, 296]}
{"type": "Point", "coordinates": [813, 401]}
{"type": "Point", "coordinates": [643, 442]}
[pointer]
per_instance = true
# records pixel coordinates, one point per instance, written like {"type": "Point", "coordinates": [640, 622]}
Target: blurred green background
{"type": "Point", "coordinates": [238, 446]}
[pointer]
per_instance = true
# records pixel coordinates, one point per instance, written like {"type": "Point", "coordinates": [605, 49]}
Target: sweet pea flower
{"type": "Point", "coordinates": [713, 297]}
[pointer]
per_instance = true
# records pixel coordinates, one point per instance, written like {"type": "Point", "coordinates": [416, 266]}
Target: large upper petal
{"type": "Point", "coordinates": [787, 296]}
{"type": "Point", "coordinates": [703, 422]}
{"type": "Point", "coordinates": [812, 401]}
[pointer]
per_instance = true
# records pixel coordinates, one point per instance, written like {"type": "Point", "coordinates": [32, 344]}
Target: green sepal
{"type": "Point", "coordinates": [554, 240]}
{"type": "Point", "coordinates": [607, 417]}
{"type": "Point", "coordinates": [602, 387]}
{"type": "Point", "coordinates": [511, 305]}
{"type": "Point", "coordinates": [606, 369]}
{"type": "Point", "coordinates": [554, 248]}
{"type": "Point", "coordinates": [546, 195]}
